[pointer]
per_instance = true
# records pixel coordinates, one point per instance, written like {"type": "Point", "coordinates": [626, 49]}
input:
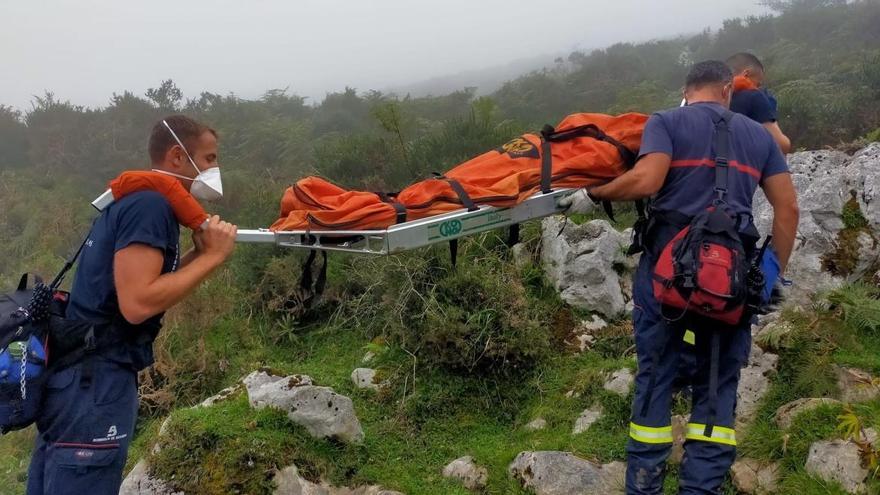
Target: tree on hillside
{"type": "Point", "coordinates": [784, 6]}
{"type": "Point", "coordinates": [13, 138]}
{"type": "Point", "coordinates": [342, 112]}
{"type": "Point", "coordinates": [167, 96]}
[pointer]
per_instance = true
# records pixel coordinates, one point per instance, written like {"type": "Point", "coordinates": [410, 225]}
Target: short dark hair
{"type": "Point", "coordinates": [187, 129]}
{"type": "Point", "coordinates": [708, 72]}
{"type": "Point", "coordinates": [741, 61]}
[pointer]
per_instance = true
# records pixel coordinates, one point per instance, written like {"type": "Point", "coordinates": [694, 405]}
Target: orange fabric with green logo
{"type": "Point", "coordinates": [503, 177]}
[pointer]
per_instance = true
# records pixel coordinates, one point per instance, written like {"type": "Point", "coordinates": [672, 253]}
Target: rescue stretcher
{"type": "Point", "coordinates": [522, 180]}
{"type": "Point", "coordinates": [414, 234]}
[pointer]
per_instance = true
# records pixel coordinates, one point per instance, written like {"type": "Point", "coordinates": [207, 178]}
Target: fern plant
{"type": "Point", "coordinates": [852, 428]}
{"type": "Point", "coordinates": [860, 306]}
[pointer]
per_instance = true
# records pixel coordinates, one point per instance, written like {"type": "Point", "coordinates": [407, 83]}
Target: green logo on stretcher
{"type": "Point", "coordinates": [477, 222]}
{"type": "Point", "coordinates": [450, 228]}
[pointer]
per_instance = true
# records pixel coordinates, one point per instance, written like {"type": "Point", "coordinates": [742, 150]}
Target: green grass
{"type": "Point", "coordinates": [819, 340]}
{"type": "Point", "coordinates": [431, 413]}
{"type": "Point", "coordinates": [408, 441]}
{"type": "Point", "coordinates": [15, 455]}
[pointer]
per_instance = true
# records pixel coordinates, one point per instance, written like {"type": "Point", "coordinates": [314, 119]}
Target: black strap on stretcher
{"type": "Point", "coordinates": [316, 289]}
{"type": "Point", "coordinates": [550, 135]}
{"type": "Point", "coordinates": [467, 202]}
{"type": "Point", "coordinates": [313, 290]}
{"type": "Point", "coordinates": [391, 199]}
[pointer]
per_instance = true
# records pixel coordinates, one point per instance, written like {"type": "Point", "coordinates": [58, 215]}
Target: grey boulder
{"type": "Point", "coordinates": [323, 412]}
{"type": "Point", "coordinates": [289, 482]}
{"type": "Point", "coordinates": [140, 482]}
{"type": "Point", "coordinates": [465, 470]}
{"type": "Point", "coordinates": [563, 473]}
{"type": "Point", "coordinates": [581, 263]}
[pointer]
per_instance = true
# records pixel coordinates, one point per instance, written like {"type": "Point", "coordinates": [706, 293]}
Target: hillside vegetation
{"type": "Point", "coordinates": [472, 352]}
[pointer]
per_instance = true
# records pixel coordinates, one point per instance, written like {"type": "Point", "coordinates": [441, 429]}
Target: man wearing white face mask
{"type": "Point", "coordinates": [130, 272]}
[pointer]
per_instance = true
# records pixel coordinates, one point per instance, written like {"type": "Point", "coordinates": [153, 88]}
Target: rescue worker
{"type": "Point", "coordinates": [130, 272]}
{"type": "Point", "coordinates": [676, 168]}
{"type": "Point", "coordinates": [752, 99]}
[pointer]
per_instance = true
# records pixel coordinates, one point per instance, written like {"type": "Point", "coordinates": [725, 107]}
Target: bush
{"type": "Point", "coordinates": [479, 316]}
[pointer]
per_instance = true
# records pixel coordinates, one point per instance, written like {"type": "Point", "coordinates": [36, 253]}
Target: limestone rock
{"type": "Point", "coordinates": [520, 254]}
{"type": "Point", "coordinates": [774, 335]}
{"type": "Point", "coordinates": [856, 385]}
{"type": "Point", "coordinates": [586, 419]}
{"type": "Point", "coordinates": [764, 320]}
{"type": "Point", "coordinates": [871, 436]}
{"type": "Point", "coordinates": [620, 382]}
{"type": "Point", "coordinates": [837, 460]}
{"type": "Point", "coordinates": [323, 412]}
{"type": "Point", "coordinates": [139, 482]}
{"type": "Point", "coordinates": [562, 473]}
{"type": "Point", "coordinates": [464, 469]}
{"type": "Point", "coordinates": [752, 477]}
{"type": "Point", "coordinates": [536, 424]}
{"type": "Point", "coordinates": [289, 482]}
{"type": "Point", "coordinates": [594, 324]}
{"type": "Point", "coordinates": [822, 192]}
{"type": "Point", "coordinates": [787, 412]}
{"type": "Point", "coordinates": [366, 378]}
{"type": "Point", "coordinates": [825, 180]}
{"type": "Point", "coordinates": [581, 263]}
{"type": "Point", "coordinates": [584, 336]}
{"type": "Point", "coordinates": [261, 378]}
{"type": "Point", "coordinates": [862, 175]}
{"type": "Point", "coordinates": [753, 384]}
{"type": "Point", "coordinates": [219, 396]}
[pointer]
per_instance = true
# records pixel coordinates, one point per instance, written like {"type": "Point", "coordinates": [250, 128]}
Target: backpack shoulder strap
{"type": "Point", "coordinates": [56, 282]}
{"type": "Point", "coordinates": [722, 153]}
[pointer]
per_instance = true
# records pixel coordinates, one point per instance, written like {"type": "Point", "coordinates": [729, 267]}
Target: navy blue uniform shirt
{"type": "Point", "coordinates": [687, 135]}
{"type": "Point", "coordinates": [754, 104]}
{"type": "Point", "coordinates": [140, 218]}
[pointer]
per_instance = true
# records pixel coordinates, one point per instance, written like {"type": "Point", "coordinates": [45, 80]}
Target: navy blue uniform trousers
{"type": "Point", "coordinates": [659, 347]}
{"type": "Point", "coordinates": [84, 430]}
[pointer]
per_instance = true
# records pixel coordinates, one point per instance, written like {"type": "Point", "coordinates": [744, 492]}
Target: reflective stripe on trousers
{"type": "Point", "coordinates": [720, 434]}
{"type": "Point", "coordinates": [647, 434]}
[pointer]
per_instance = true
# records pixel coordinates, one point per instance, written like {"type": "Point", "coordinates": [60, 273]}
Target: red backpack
{"type": "Point", "coordinates": [703, 270]}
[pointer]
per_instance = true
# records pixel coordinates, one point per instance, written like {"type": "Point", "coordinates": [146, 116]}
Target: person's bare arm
{"type": "Point", "coordinates": [141, 288]}
{"type": "Point", "coordinates": [643, 181]}
{"type": "Point", "coordinates": [782, 196]}
{"type": "Point", "coordinates": [778, 136]}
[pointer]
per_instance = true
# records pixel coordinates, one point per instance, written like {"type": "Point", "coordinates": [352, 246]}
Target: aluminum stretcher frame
{"type": "Point", "coordinates": [414, 234]}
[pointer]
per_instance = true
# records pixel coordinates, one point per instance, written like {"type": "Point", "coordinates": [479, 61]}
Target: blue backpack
{"type": "Point", "coordinates": [25, 314]}
{"type": "Point", "coordinates": [23, 354]}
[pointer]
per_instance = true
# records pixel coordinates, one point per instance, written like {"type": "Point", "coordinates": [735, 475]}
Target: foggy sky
{"type": "Point", "coordinates": [85, 50]}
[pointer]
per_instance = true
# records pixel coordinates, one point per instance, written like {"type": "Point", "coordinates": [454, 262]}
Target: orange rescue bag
{"type": "Point", "coordinates": [585, 149]}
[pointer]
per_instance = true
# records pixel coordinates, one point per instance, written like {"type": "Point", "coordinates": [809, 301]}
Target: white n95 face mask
{"type": "Point", "coordinates": [207, 185]}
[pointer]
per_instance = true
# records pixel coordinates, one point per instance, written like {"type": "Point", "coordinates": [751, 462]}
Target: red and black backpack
{"type": "Point", "coordinates": [703, 270]}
